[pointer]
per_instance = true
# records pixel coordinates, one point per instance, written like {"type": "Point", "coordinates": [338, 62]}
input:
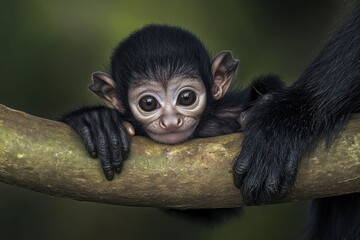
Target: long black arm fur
{"type": "Point", "coordinates": [281, 129]}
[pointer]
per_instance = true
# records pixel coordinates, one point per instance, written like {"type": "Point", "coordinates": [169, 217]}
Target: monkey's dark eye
{"type": "Point", "coordinates": [186, 98]}
{"type": "Point", "coordinates": [148, 104]}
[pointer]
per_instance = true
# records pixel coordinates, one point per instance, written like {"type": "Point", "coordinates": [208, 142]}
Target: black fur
{"type": "Point", "coordinates": [159, 52]}
{"type": "Point", "coordinates": [281, 129]}
{"type": "Point", "coordinates": [223, 115]}
{"type": "Point", "coordinates": [335, 218]}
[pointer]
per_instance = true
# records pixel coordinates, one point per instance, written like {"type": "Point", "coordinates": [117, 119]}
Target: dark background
{"type": "Point", "coordinates": [48, 50]}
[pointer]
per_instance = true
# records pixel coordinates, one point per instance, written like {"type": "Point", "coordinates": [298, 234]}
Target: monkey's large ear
{"type": "Point", "coordinates": [104, 86]}
{"type": "Point", "coordinates": [223, 69]}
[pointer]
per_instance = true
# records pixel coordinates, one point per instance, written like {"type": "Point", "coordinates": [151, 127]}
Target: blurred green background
{"type": "Point", "coordinates": [50, 48]}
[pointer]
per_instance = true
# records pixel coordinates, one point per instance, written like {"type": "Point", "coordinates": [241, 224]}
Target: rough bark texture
{"type": "Point", "coordinates": [48, 157]}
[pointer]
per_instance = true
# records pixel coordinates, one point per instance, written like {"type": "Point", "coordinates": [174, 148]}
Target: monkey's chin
{"type": "Point", "coordinates": [171, 137]}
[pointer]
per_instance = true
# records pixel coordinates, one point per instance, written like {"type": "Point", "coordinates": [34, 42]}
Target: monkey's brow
{"type": "Point", "coordinates": [143, 81]}
{"type": "Point", "coordinates": [185, 77]}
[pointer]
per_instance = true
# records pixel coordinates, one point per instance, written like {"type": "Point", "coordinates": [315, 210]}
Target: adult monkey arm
{"type": "Point", "coordinates": [287, 125]}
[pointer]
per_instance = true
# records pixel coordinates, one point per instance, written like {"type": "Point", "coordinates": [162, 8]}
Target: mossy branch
{"type": "Point", "coordinates": [48, 157]}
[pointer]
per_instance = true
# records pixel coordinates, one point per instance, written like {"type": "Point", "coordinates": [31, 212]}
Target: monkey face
{"type": "Point", "coordinates": [168, 113]}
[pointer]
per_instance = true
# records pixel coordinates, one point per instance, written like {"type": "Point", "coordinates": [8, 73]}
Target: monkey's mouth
{"type": "Point", "coordinates": [172, 137]}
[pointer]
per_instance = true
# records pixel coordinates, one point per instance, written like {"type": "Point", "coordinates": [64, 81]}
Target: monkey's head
{"type": "Point", "coordinates": [164, 77]}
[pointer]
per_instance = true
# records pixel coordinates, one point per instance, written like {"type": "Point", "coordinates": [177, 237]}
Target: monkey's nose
{"type": "Point", "coordinates": [171, 122]}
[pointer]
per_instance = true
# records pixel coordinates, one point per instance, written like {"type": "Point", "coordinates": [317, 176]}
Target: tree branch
{"type": "Point", "coordinates": [48, 157]}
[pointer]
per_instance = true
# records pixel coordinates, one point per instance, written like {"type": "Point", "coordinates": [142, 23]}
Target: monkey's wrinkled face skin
{"type": "Point", "coordinates": [169, 114]}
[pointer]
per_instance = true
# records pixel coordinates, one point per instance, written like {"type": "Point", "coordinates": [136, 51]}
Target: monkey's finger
{"type": "Point", "coordinates": [250, 190]}
{"type": "Point", "coordinates": [116, 146]}
{"type": "Point", "coordinates": [126, 141]}
{"type": "Point", "coordinates": [240, 167]}
{"type": "Point", "coordinates": [115, 150]}
{"type": "Point", "coordinates": [129, 128]}
{"type": "Point", "coordinates": [81, 125]}
{"type": "Point", "coordinates": [272, 184]}
{"type": "Point", "coordinates": [103, 149]}
{"type": "Point", "coordinates": [87, 137]}
{"type": "Point", "coordinates": [290, 171]}
{"type": "Point", "coordinates": [108, 172]}
{"type": "Point", "coordinates": [292, 162]}
{"type": "Point", "coordinates": [120, 128]}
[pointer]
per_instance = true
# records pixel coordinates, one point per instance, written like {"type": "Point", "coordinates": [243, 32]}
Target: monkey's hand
{"type": "Point", "coordinates": [278, 131]}
{"type": "Point", "coordinates": [105, 135]}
